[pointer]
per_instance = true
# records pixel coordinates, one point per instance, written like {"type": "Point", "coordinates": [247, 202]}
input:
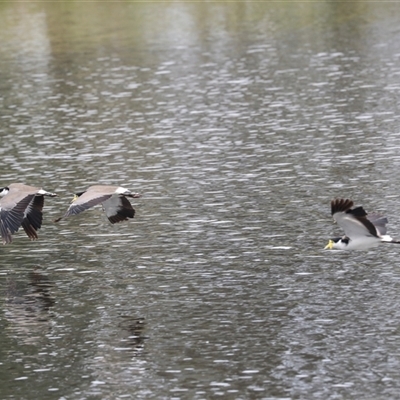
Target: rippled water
{"type": "Point", "coordinates": [238, 123]}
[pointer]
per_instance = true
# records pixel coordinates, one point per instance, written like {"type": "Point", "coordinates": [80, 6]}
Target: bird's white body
{"type": "Point", "coordinates": [364, 243]}
{"type": "Point", "coordinates": [121, 190]}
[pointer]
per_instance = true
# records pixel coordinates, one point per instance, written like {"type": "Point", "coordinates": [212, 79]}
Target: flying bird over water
{"type": "Point", "coordinates": [362, 231]}
{"type": "Point", "coordinates": [21, 205]}
{"type": "Point", "coordinates": [113, 198]}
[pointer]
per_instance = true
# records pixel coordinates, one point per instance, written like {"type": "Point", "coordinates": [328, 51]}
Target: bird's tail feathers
{"type": "Point", "coordinates": [389, 239]}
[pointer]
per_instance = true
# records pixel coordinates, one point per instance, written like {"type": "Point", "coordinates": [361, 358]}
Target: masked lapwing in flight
{"type": "Point", "coordinates": [361, 230]}
{"type": "Point", "coordinates": [21, 205]}
{"type": "Point", "coordinates": [113, 199]}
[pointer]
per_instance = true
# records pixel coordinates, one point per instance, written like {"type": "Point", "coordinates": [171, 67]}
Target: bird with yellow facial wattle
{"type": "Point", "coordinates": [362, 231]}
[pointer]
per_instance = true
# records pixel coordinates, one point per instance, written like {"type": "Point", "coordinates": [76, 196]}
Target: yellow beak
{"type": "Point", "coordinates": [329, 246]}
{"type": "Point", "coordinates": [75, 197]}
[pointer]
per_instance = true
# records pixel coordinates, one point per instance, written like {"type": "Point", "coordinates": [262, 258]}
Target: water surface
{"type": "Point", "coordinates": [238, 123]}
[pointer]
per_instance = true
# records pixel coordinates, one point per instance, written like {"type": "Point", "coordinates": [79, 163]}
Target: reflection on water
{"type": "Point", "coordinates": [132, 334]}
{"type": "Point", "coordinates": [27, 307]}
{"type": "Point", "coordinates": [238, 123]}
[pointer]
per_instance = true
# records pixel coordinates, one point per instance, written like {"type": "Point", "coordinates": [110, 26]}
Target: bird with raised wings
{"type": "Point", "coordinates": [21, 205]}
{"type": "Point", "coordinates": [113, 199]}
{"type": "Point", "coordinates": [362, 231]}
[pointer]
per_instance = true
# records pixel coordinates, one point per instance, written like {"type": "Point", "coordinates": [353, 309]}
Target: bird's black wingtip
{"type": "Point", "coordinates": [341, 205]}
{"type": "Point", "coordinates": [358, 212]}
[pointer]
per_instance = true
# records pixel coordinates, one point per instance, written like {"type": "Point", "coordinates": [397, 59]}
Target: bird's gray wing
{"type": "Point", "coordinates": [11, 216]}
{"type": "Point", "coordinates": [84, 202]}
{"type": "Point", "coordinates": [379, 222]}
{"type": "Point", "coordinates": [355, 223]}
{"type": "Point", "coordinates": [118, 209]}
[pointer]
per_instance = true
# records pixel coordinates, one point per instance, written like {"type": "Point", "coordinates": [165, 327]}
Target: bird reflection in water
{"type": "Point", "coordinates": [132, 333]}
{"type": "Point", "coordinates": [28, 306]}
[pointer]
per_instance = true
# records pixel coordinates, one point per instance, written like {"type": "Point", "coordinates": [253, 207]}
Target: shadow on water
{"type": "Point", "coordinates": [55, 320]}
{"type": "Point", "coordinates": [132, 332]}
{"type": "Point", "coordinates": [28, 306]}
